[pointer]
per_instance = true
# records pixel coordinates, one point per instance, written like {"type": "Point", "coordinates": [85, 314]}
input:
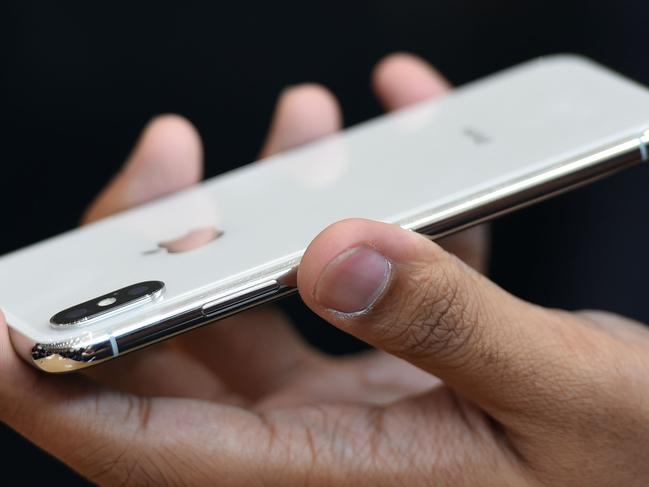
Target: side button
{"type": "Point", "coordinates": [239, 299]}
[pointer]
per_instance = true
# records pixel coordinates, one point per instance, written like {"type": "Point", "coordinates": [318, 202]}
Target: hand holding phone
{"type": "Point", "coordinates": [235, 241]}
{"type": "Point", "coordinates": [550, 383]}
{"type": "Point", "coordinates": [264, 335]}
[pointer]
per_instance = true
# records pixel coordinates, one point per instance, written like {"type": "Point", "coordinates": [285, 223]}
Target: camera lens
{"type": "Point", "coordinates": [107, 302]}
{"type": "Point", "coordinates": [76, 313]}
{"type": "Point", "coordinates": [135, 294]}
{"type": "Point", "coordinates": [138, 291]}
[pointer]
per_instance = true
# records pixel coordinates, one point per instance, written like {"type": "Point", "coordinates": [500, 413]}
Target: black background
{"type": "Point", "coordinates": [78, 80]}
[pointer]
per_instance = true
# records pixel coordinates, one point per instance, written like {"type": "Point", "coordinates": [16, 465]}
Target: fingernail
{"type": "Point", "coordinates": [354, 281]}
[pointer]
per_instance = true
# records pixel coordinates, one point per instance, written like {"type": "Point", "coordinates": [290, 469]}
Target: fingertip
{"type": "Point", "coordinates": [400, 64]}
{"type": "Point", "coordinates": [167, 157]}
{"type": "Point", "coordinates": [329, 243]}
{"type": "Point", "coordinates": [401, 79]}
{"type": "Point", "coordinates": [172, 124]}
{"type": "Point", "coordinates": [312, 105]}
{"type": "Point", "coordinates": [172, 121]}
{"type": "Point", "coordinates": [303, 113]}
{"type": "Point", "coordinates": [172, 140]}
{"type": "Point", "coordinates": [395, 243]}
{"type": "Point", "coordinates": [310, 95]}
{"type": "Point", "coordinates": [393, 61]}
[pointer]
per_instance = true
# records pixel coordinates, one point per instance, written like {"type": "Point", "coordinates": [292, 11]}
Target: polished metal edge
{"type": "Point", "coordinates": [217, 305]}
{"type": "Point", "coordinates": [72, 355]}
{"type": "Point", "coordinates": [194, 319]}
{"type": "Point", "coordinates": [528, 190]}
{"type": "Point", "coordinates": [279, 281]}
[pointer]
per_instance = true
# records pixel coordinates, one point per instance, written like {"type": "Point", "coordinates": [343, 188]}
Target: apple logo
{"type": "Point", "coordinates": [192, 240]}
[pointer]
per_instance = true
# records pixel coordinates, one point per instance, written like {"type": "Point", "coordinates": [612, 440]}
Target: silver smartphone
{"type": "Point", "coordinates": [235, 241]}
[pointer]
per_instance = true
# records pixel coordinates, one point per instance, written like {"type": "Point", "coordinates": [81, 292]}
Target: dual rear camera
{"type": "Point", "coordinates": [127, 297]}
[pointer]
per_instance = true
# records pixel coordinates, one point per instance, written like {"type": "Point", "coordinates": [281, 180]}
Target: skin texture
{"type": "Point", "coordinates": [468, 386]}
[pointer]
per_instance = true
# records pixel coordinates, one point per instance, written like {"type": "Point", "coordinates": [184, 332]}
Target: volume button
{"type": "Point", "coordinates": [239, 299]}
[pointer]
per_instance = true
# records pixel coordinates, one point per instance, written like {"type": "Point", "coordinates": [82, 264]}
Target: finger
{"type": "Point", "coordinates": [167, 158]}
{"type": "Point", "coordinates": [402, 293]}
{"type": "Point", "coordinates": [262, 343]}
{"type": "Point", "coordinates": [389, 378]}
{"type": "Point", "coordinates": [629, 331]}
{"type": "Point", "coordinates": [303, 113]}
{"type": "Point", "coordinates": [401, 80]}
{"type": "Point", "coordinates": [372, 378]}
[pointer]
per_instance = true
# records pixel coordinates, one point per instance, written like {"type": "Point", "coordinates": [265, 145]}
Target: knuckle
{"type": "Point", "coordinates": [435, 314]}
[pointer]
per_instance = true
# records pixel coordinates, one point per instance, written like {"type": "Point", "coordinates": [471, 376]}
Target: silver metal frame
{"type": "Point", "coordinates": [281, 280]}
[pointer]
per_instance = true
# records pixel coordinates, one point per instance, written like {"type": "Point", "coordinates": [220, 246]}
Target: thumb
{"type": "Point", "coordinates": [402, 293]}
{"type": "Point", "coordinates": [167, 158]}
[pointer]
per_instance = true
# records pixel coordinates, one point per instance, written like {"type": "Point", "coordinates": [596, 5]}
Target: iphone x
{"type": "Point", "coordinates": [235, 241]}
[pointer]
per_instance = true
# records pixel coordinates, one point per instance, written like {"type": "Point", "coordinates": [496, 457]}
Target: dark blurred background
{"type": "Point", "coordinates": [78, 80]}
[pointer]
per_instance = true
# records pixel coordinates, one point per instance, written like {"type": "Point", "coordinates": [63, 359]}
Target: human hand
{"type": "Point", "coordinates": [530, 396]}
{"type": "Point", "coordinates": [278, 366]}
